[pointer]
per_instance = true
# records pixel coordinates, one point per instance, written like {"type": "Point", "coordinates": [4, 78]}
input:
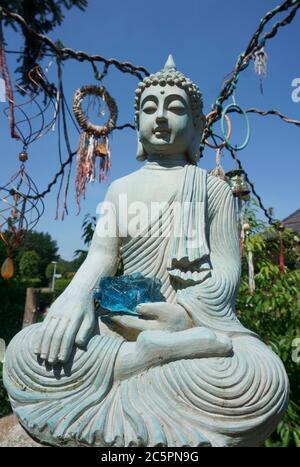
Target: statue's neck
{"type": "Point", "coordinates": [166, 161]}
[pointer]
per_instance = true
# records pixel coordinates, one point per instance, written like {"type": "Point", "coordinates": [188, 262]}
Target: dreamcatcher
{"type": "Point", "coordinates": [93, 142]}
{"type": "Point", "coordinates": [20, 204]}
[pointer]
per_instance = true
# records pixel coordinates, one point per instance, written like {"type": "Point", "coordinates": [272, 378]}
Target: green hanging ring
{"type": "Point", "coordinates": [241, 111]}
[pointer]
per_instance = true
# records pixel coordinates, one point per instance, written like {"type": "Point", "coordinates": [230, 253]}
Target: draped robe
{"type": "Point", "coordinates": [225, 401]}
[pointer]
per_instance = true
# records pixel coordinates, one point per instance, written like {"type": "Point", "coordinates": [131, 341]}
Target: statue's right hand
{"type": "Point", "coordinates": [62, 329]}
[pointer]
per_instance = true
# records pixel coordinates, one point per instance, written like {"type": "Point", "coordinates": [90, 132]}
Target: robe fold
{"type": "Point", "coordinates": [225, 401]}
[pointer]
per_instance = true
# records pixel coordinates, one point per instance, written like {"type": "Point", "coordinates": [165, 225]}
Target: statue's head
{"type": "Point", "coordinates": [169, 114]}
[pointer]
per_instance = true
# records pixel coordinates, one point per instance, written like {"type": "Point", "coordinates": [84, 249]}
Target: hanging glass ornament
{"type": "Point", "coordinates": [20, 211]}
{"type": "Point", "coordinates": [93, 142]}
{"type": "Point", "coordinates": [238, 184]}
{"type": "Point", "coordinates": [240, 190]}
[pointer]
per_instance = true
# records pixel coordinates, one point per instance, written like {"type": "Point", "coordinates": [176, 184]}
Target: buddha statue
{"type": "Point", "coordinates": [184, 371]}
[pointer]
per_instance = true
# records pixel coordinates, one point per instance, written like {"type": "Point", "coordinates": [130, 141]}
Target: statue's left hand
{"type": "Point", "coordinates": [69, 321]}
{"type": "Point", "coordinates": [154, 316]}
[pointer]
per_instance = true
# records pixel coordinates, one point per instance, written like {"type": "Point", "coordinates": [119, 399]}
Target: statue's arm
{"type": "Point", "coordinates": [215, 297]}
{"type": "Point", "coordinates": [71, 318]}
{"type": "Point", "coordinates": [103, 255]}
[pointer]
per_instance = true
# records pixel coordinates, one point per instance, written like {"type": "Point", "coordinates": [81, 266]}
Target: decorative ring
{"type": "Point", "coordinates": [83, 122]}
{"type": "Point", "coordinates": [229, 128]}
{"type": "Point", "coordinates": [224, 115]}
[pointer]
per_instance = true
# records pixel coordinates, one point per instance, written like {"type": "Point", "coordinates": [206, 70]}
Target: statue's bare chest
{"type": "Point", "coordinates": [143, 197]}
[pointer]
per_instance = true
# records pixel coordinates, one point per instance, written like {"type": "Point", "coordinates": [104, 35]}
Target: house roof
{"type": "Point", "coordinates": [293, 221]}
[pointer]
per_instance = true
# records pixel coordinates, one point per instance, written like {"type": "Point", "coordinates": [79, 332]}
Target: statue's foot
{"type": "Point", "coordinates": [192, 343]}
{"type": "Point", "coordinates": [154, 348]}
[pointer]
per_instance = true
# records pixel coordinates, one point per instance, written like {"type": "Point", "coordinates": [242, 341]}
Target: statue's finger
{"type": "Point", "coordinates": [149, 310]}
{"type": "Point", "coordinates": [56, 341]}
{"type": "Point", "coordinates": [131, 322]}
{"type": "Point", "coordinates": [161, 311]}
{"type": "Point", "coordinates": [38, 339]}
{"type": "Point", "coordinates": [85, 330]}
{"type": "Point", "coordinates": [48, 334]}
{"type": "Point", "coordinates": [67, 342]}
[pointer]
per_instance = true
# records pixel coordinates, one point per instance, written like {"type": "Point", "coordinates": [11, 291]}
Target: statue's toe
{"type": "Point", "coordinates": [224, 344]}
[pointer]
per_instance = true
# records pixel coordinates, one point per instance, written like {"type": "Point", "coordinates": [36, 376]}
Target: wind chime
{"type": "Point", "coordinates": [241, 192]}
{"type": "Point", "coordinates": [20, 210]}
{"type": "Point", "coordinates": [237, 181]}
{"type": "Point", "coordinates": [93, 142]}
{"type": "Point", "coordinates": [20, 204]}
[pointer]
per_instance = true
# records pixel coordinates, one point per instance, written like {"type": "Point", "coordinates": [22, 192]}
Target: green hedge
{"type": "Point", "coordinates": [12, 303]}
{"type": "Point", "coordinates": [13, 294]}
{"type": "Point", "coordinates": [5, 408]}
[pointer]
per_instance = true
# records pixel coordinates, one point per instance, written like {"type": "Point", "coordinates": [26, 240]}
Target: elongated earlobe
{"type": "Point", "coordinates": [140, 153]}
{"type": "Point", "coordinates": [193, 152]}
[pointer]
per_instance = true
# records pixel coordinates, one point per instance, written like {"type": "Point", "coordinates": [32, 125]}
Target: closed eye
{"type": "Point", "coordinates": [149, 108]}
{"type": "Point", "coordinates": [177, 107]}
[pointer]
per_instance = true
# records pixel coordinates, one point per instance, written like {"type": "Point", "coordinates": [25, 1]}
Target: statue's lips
{"type": "Point", "coordinates": [161, 131]}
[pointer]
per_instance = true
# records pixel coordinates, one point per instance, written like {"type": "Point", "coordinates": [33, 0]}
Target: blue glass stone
{"type": "Point", "coordinates": [122, 294]}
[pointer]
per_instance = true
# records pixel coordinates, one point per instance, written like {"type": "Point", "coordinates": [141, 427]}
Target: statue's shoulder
{"type": "Point", "coordinates": [122, 184]}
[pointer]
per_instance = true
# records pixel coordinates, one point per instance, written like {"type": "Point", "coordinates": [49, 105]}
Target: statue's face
{"type": "Point", "coordinates": [165, 120]}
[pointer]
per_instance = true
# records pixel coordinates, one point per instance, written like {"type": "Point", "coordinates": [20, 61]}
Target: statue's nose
{"type": "Point", "coordinates": [161, 114]}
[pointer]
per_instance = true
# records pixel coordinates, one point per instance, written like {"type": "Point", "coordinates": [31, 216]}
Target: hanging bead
{"type": "Point", "coordinates": [23, 156]}
{"type": "Point", "coordinates": [251, 271]}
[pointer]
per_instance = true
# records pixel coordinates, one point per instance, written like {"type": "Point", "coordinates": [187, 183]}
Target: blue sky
{"type": "Point", "coordinates": [205, 39]}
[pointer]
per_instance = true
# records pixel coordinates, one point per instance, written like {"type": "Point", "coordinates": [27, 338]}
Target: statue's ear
{"type": "Point", "coordinates": [193, 149]}
{"type": "Point", "coordinates": [140, 153]}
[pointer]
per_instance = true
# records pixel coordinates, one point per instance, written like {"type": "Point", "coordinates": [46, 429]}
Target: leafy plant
{"type": "Point", "coordinates": [88, 229]}
{"type": "Point", "coordinates": [29, 263]}
{"type": "Point", "coordinates": [273, 312]}
{"type": "Point", "coordinates": [60, 286]}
